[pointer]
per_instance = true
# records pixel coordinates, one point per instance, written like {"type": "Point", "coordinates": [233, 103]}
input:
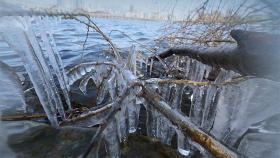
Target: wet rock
{"type": "Point", "coordinates": [142, 129]}
{"type": "Point", "coordinates": [80, 99]}
{"type": "Point", "coordinates": [144, 147]}
{"type": "Point", "coordinates": [47, 141]}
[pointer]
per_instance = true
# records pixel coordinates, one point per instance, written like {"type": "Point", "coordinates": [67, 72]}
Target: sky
{"type": "Point", "coordinates": [178, 8]}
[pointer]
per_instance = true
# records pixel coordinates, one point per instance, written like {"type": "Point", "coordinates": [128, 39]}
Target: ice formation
{"type": "Point", "coordinates": [244, 115]}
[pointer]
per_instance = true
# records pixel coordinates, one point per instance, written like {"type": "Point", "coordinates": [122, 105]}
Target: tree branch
{"type": "Point", "coordinates": [187, 127]}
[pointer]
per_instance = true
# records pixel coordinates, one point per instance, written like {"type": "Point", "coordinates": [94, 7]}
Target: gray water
{"type": "Point", "coordinates": [70, 35]}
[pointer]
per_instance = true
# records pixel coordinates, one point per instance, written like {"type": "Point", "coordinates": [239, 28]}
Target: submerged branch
{"type": "Point", "coordinates": [22, 117]}
{"type": "Point", "coordinates": [187, 127]}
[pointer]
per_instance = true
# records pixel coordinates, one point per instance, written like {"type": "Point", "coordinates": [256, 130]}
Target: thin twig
{"type": "Point", "coordinates": [88, 114]}
{"type": "Point", "coordinates": [86, 37]}
{"type": "Point", "coordinates": [84, 44]}
{"type": "Point", "coordinates": [98, 30]}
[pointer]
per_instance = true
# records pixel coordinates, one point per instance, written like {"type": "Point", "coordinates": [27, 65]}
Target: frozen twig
{"type": "Point", "coordinates": [88, 114]}
{"type": "Point", "coordinates": [83, 65]}
{"type": "Point", "coordinates": [196, 83]}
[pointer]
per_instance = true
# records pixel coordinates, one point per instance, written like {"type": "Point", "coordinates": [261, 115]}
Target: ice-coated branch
{"type": "Point", "coordinates": [78, 71]}
{"type": "Point", "coordinates": [195, 83]}
{"type": "Point", "coordinates": [256, 54]}
{"type": "Point", "coordinates": [187, 127]}
{"type": "Point", "coordinates": [115, 106]}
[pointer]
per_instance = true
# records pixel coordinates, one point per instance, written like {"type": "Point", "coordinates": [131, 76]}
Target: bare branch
{"type": "Point", "coordinates": [97, 29]}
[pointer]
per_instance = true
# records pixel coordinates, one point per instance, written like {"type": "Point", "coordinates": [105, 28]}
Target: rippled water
{"type": "Point", "coordinates": [70, 35]}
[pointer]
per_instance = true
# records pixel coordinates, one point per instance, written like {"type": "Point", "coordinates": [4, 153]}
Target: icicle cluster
{"type": "Point", "coordinates": [237, 114]}
{"type": "Point", "coordinates": [20, 36]}
{"type": "Point", "coordinates": [233, 113]}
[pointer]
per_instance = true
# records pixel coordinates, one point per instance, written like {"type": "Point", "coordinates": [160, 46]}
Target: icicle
{"type": "Point", "coordinates": [158, 126]}
{"type": "Point", "coordinates": [79, 71]}
{"type": "Point", "coordinates": [197, 104]}
{"type": "Point", "coordinates": [122, 122]}
{"type": "Point", "coordinates": [112, 140]}
{"type": "Point", "coordinates": [58, 71]}
{"type": "Point", "coordinates": [84, 82]}
{"type": "Point", "coordinates": [182, 144]}
{"type": "Point", "coordinates": [133, 113]}
{"type": "Point", "coordinates": [146, 65]}
{"type": "Point", "coordinates": [187, 67]}
{"type": "Point", "coordinates": [164, 129]}
{"type": "Point", "coordinates": [58, 58]}
{"type": "Point", "coordinates": [15, 35]}
{"type": "Point", "coordinates": [131, 62]}
{"type": "Point", "coordinates": [151, 66]}
{"type": "Point", "coordinates": [99, 74]}
{"type": "Point", "coordinates": [176, 97]}
{"type": "Point", "coordinates": [209, 108]}
{"type": "Point", "coordinates": [112, 85]}
{"type": "Point", "coordinates": [121, 83]}
{"type": "Point", "coordinates": [46, 68]}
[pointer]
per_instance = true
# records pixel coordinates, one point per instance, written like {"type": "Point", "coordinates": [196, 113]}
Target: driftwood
{"type": "Point", "coordinates": [256, 54]}
{"type": "Point", "coordinates": [187, 127]}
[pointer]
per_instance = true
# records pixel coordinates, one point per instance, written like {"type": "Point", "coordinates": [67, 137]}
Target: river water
{"type": "Point", "coordinates": [70, 35]}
